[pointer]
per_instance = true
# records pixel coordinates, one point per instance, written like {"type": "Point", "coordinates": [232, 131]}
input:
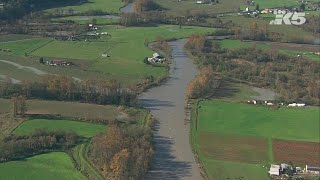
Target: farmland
{"type": "Point", "coordinates": [126, 67]}
{"type": "Point", "coordinates": [66, 109]}
{"type": "Point", "coordinates": [293, 50]}
{"type": "Point", "coordinates": [52, 166]}
{"type": "Point", "coordinates": [110, 6]}
{"type": "Point", "coordinates": [83, 20]}
{"type": "Point", "coordinates": [81, 128]}
{"type": "Point", "coordinates": [232, 170]}
{"type": "Point", "coordinates": [213, 117]}
{"type": "Point", "coordinates": [234, 148]}
{"type": "Point", "coordinates": [303, 152]}
{"type": "Point", "coordinates": [239, 144]}
{"type": "Point", "coordinates": [178, 8]}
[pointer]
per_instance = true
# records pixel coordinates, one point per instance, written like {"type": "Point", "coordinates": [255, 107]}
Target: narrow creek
{"type": "Point", "coordinates": [174, 158]}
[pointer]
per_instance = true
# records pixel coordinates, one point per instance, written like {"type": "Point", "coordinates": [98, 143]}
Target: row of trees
{"type": "Point", "coordinates": [19, 147]}
{"type": "Point", "coordinates": [122, 153]}
{"type": "Point", "coordinates": [53, 87]}
{"type": "Point", "coordinates": [253, 32]}
{"type": "Point", "coordinates": [19, 106]}
{"type": "Point", "coordinates": [295, 79]}
{"type": "Point", "coordinates": [204, 84]}
{"type": "Point", "coordinates": [140, 6]}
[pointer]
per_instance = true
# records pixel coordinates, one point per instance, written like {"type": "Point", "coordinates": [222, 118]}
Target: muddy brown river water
{"type": "Point", "coordinates": [174, 158]}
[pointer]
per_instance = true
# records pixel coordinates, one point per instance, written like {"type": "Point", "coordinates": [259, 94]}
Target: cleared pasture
{"type": "Point", "coordinates": [110, 6]}
{"type": "Point", "coordinates": [189, 7]}
{"type": "Point", "coordinates": [52, 166]}
{"type": "Point", "coordinates": [81, 128]}
{"type": "Point", "coordinates": [83, 20]}
{"type": "Point", "coordinates": [24, 46]}
{"type": "Point", "coordinates": [234, 148]}
{"type": "Point", "coordinates": [233, 170]}
{"type": "Point", "coordinates": [67, 109]}
{"type": "Point", "coordinates": [126, 48]}
{"type": "Point", "coordinates": [283, 123]}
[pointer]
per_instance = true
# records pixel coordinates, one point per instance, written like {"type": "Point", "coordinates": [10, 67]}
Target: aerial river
{"type": "Point", "coordinates": [174, 158]}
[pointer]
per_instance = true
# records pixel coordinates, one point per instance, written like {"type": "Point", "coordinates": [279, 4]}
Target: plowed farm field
{"type": "Point", "coordinates": [247, 149]}
{"type": "Point", "coordinates": [297, 152]}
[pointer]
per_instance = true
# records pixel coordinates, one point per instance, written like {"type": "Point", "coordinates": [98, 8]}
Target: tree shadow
{"type": "Point", "coordinates": [225, 90]}
{"type": "Point", "coordinates": [154, 104]}
{"type": "Point", "coordinates": [164, 165]}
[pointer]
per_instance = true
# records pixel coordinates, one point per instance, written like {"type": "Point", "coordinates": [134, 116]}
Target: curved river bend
{"type": "Point", "coordinates": [174, 158]}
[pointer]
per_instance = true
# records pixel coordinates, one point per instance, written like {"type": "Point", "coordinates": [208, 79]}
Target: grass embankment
{"type": "Point", "coordinates": [79, 154]}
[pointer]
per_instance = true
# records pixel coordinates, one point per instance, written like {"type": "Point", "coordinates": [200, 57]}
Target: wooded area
{"type": "Point", "coordinates": [295, 79]}
{"type": "Point", "coordinates": [64, 88]}
{"type": "Point", "coordinates": [122, 153]}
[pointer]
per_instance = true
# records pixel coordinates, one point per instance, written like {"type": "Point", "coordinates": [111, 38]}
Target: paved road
{"type": "Point", "coordinates": [173, 158]}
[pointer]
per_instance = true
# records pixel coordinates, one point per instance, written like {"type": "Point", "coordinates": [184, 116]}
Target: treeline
{"type": "Point", "coordinates": [253, 32]}
{"type": "Point", "coordinates": [63, 88]}
{"type": "Point", "coordinates": [204, 84]}
{"type": "Point", "coordinates": [14, 9]}
{"type": "Point", "coordinates": [16, 147]}
{"type": "Point", "coordinates": [145, 5]}
{"type": "Point", "coordinates": [295, 79]}
{"type": "Point", "coordinates": [122, 153]}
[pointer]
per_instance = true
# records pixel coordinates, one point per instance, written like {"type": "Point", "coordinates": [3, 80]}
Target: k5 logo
{"type": "Point", "coordinates": [297, 18]}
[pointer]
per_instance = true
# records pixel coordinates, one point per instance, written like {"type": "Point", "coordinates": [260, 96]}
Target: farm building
{"type": "Point", "coordinates": [156, 58]}
{"type": "Point", "coordinates": [296, 105]}
{"type": "Point", "coordinates": [274, 170]}
{"type": "Point", "coordinates": [312, 169]}
{"type": "Point", "coordinates": [58, 63]}
{"type": "Point", "coordinates": [200, 2]}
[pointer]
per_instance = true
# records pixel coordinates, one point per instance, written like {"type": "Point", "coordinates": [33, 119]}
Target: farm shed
{"type": "Point", "coordinates": [312, 169]}
{"type": "Point", "coordinates": [274, 170]}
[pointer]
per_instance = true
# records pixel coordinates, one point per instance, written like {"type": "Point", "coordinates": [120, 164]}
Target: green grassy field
{"type": "Point", "coordinates": [234, 170]}
{"type": "Point", "coordinates": [239, 144]}
{"type": "Point", "coordinates": [81, 128]}
{"type": "Point", "coordinates": [291, 123]}
{"type": "Point", "coordinates": [68, 109]}
{"type": "Point", "coordinates": [187, 7]}
{"type": "Point", "coordinates": [274, 3]}
{"type": "Point", "coordinates": [51, 166]}
{"type": "Point", "coordinates": [14, 37]}
{"type": "Point", "coordinates": [125, 47]}
{"type": "Point", "coordinates": [24, 46]}
{"type": "Point", "coordinates": [110, 6]}
{"type": "Point", "coordinates": [83, 20]}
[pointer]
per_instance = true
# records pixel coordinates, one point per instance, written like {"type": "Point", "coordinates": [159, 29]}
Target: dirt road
{"type": "Point", "coordinates": [173, 158]}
